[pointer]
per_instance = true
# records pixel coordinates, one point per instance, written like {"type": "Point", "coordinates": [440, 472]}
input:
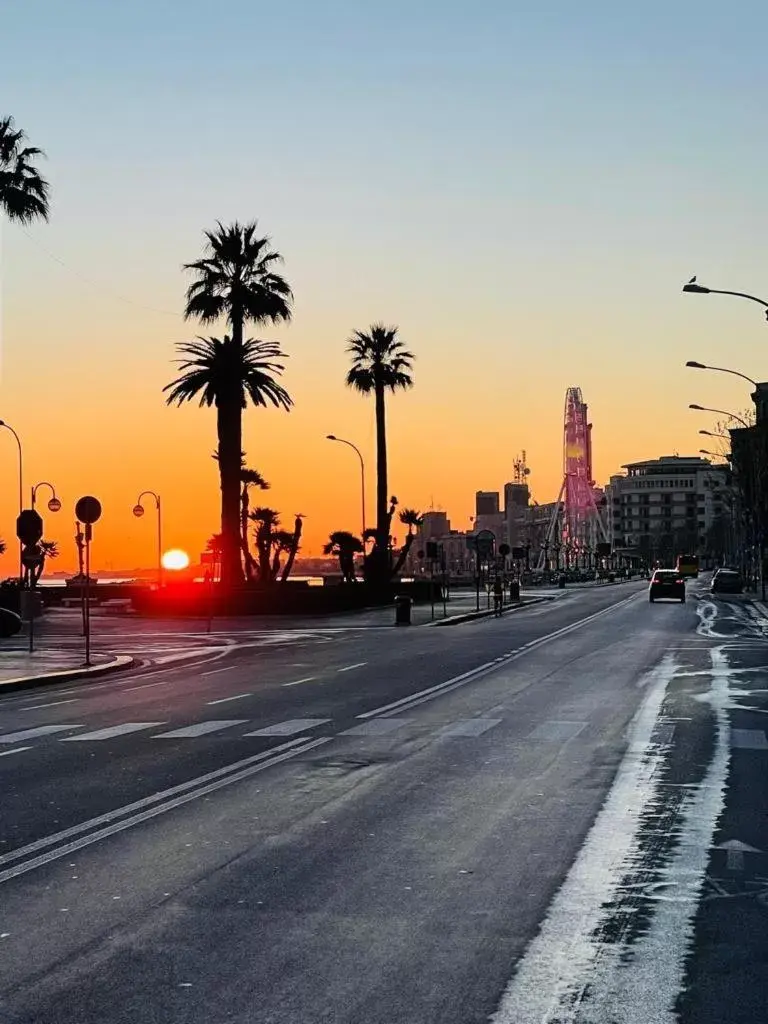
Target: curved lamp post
{"type": "Point", "coordinates": [8, 427]}
{"type": "Point", "coordinates": [720, 369]}
{"type": "Point", "coordinates": [341, 440]}
{"type": "Point", "coordinates": [714, 433]}
{"type": "Point", "coordinates": [720, 412]}
{"type": "Point", "coordinates": [138, 511]}
{"type": "Point", "coordinates": [54, 505]}
{"type": "Point", "coordinates": [699, 289]}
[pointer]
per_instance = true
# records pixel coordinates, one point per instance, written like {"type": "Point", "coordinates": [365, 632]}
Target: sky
{"type": "Point", "coordinates": [521, 187]}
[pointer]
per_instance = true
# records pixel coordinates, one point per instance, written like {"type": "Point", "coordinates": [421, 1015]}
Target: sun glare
{"type": "Point", "coordinates": [175, 559]}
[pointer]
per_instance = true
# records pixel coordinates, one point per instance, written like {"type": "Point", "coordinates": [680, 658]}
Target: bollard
{"type": "Point", "coordinates": [402, 610]}
{"type": "Point", "coordinates": [514, 590]}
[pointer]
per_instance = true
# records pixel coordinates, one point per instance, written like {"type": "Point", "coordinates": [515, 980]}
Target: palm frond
{"type": "Point", "coordinates": [24, 192]}
{"type": "Point", "coordinates": [379, 358]}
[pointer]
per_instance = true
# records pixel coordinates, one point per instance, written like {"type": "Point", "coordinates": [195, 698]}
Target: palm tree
{"type": "Point", "coordinates": [380, 363]}
{"type": "Point", "coordinates": [248, 478]}
{"type": "Point", "coordinates": [412, 519]}
{"type": "Point", "coordinates": [48, 549]}
{"type": "Point", "coordinates": [345, 546]}
{"type": "Point", "coordinates": [23, 190]}
{"type": "Point", "coordinates": [282, 544]}
{"type": "Point", "coordinates": [298, 526]}
{"type": "Point", "coordinates": [228, 375]}
{"type": "Point", "coordinates": [236, 281]}
{"type": "Point", "coordinates": [267, 524]}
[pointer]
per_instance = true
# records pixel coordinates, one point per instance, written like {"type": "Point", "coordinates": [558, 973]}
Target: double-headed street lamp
{"type": "Point", "coordinates": [138, 511]}
{"type": "Point", "coordinates": [341, 440]}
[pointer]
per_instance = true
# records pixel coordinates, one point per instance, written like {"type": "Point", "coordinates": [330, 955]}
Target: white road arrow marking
{"type": "Point", "coordinates": [735, 851]}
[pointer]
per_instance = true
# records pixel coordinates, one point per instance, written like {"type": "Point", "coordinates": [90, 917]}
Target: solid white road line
{"type": "Point", "coordinates": [32, 734]}
{"type": "Point", "coordinates": [52, 704]}
{"type": "Point", "coordinates": [114, 730]}
{"type": "Point", "coordinates": [348, 668]}
{"type": "Point", "coordinates": [289, 728]}
{"type": "Point", "coordinates": [396, 706]}
{"type": "Point", "coordinates": [265, 760]}
{"type": "Point", "coordinates": [16, 750]}
{"type": "Point", "coordinates": [306, 679]}
{"type": "Point", "coordinates": [201, 728]}
{"type": "Point", "coordinates": [224, 700]}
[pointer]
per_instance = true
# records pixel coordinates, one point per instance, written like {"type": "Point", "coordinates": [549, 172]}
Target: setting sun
{"type": "Point", "coordinates": [175, 559]}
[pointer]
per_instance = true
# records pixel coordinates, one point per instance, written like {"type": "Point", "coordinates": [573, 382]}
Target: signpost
{"type": "Point", "coordinates": [88, 511]}
{"type": "Point", "coordinates": [29, 530]}
{"type": "Point", "coordinates": [483, 543]}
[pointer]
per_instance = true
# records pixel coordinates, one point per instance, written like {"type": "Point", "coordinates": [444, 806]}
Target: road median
{"type": "Point", "coordinates": [24, 677]}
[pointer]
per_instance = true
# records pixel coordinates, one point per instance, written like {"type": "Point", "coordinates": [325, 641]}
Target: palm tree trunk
{"type": "Point", "coordinates": [294, 548]}
{"type": "Point", "coordinates": [247, 556]}
{"type": "Point", "coordinates": [382, 519]}
{"type": "Point", "coordinates": [229, 427]}
{"type": "Point", "coordinates": [403, 555]}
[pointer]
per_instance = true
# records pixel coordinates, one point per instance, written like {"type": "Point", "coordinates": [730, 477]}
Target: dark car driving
{"type": "Point", "coordinates": [727, 581]}
{"type": "Point", "coordinates": [666, 583]}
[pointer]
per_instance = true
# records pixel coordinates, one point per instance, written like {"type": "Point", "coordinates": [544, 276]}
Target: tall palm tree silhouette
{"type": "Point", "coordinates": [23, 190]}
{"type": "Point", "coordinates": [380, 363]}
{"type": "Point", "coordinates": [236, 280]}
{"type": "Point", "coordinates": [228, 375]}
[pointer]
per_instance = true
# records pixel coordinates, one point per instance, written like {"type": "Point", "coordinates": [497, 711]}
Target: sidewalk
{"type": "Point", "coordinates": [20, 670]}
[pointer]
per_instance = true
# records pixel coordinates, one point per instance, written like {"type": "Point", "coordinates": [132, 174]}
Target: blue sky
{"type": "Point", "coordinates": [523, 187]}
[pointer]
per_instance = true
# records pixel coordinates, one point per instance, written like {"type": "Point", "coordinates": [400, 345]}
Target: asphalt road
{"type": "Point", "coordinates": [508, 818]}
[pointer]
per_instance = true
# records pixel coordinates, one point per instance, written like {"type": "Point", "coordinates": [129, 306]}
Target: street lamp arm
{"type": "Point", "coordinates": [152, 493]}
{"type": "Point", "coordinates": [740, 295]}
{"type": "Point", "coordinates": [721, 369]}
{"type": "Point", "coordinates": [720, 412]}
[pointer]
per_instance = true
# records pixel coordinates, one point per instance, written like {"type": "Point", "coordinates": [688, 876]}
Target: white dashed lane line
{"type": "Point", "coordinates": [52, 704]}
{"type": "Point", "coordinates": [296, 682]}
{"type": "Point", "coordinates": [348, 668]}
{"type": "Point", "coordinates": [225, 700]}
{"type": "Point", "coordinates": [16, 750]}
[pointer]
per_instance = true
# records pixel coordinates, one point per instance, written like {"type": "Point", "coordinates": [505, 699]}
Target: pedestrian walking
{"type": "Point", "coordinates": [498, 596]}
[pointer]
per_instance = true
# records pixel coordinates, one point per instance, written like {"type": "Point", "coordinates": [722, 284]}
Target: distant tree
{"type": "Point", "coordinates": [48, 549]}
{"type": "Point", "coordinates": [248, 478]}
{"type": "Point", "coordinates": [413, 520]}
{"type": "Point", "coordinates": [267, 522]}
{"type": "Point", "coordinates": [380, 363]}
{"type": "Point", "coordinates": [236, 280]}
{"type": "Point", "coordinates": [344, 546]}
{"type": "Point", "coordinates": [298, 526]}
{"type": "Point", "coordinates": [23, 190]}
{"type": "Point", "coordinates": [229, 375]}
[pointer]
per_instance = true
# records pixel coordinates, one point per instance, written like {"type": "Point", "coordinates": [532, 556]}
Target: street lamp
{"type": "Point", "coordinates": [720, 412]}
{"type": "Point", "coordinates": [713, 455]}
{"type": "Point", "coordinates": [138, 511]}
{"type": "Point", "coordinates": [54, 505]}
{"type": "Point", "coordinates": [721, 369]}
{"type": "Point", "coordinates": [341, 440]}
{"type": "Point", "coordinates": [21, 486]}
{"type": "Point", "coordinates": [699, 289]}
{"type": "Point", "coordinates": [714, 433]}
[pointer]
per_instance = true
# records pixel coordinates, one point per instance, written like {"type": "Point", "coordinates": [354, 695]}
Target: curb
{"type": "Point", "coordinates": [118, 663]}
{"type": "Point", "coordinates": [456, 620]}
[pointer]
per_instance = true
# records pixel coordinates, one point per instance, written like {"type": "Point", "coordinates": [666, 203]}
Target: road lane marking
{"type": "Point", "coordinates": [306, 679]}
{"type": "Point", "coordinates": [16, 750]}
{"type": "Point", "coordinates": [348, 668]}
{"type": "Point", "coordinates": [215, 671]}
{"type": "Point", "coordinates": [145, 686]}
{"type": "Point", "coordinates": [289, 728]}
{"type": "Point", "coordinates": [421, 696]}
{"type": "Point", "coordinates": [376, 727]}
{"type": "Point", "coordinates": [224, 700]}
{"type": "Point", "coordinates": [749, 739]}
{"type": "Point", "coordinates": [52, 704]}
{"type": "Point", "coordinates": [471, 727]}
{"type": "Point", "coordinates": [201, 728]}
{"type": "Point", "coordinates": [32, 734]}
{"type": "Point", "coordinates": [258, 763]}
{"type": "Point", "coordinates": [114, 730]}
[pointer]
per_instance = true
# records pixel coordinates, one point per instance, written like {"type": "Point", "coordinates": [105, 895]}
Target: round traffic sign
{"type": "Point", "coordinates": [54, 505]}
{"type": "Point", "coordinates": [138, 511]}
{"type": "Point", "coordinates": [88, 509]}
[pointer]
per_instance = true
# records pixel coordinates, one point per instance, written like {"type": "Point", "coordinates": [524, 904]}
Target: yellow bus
{"type": "Point", "coordinates": [688, 566]}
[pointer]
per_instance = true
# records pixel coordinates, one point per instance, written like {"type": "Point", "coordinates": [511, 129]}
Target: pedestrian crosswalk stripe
{"type": "Point", "coordinates": [472, 727]}
{"type": "Point", "coordinates": [201, 728]}
{"type": "Point", "coordinates": [31, 734]}
{"type": "Point", "coordinates": [376, 727]}
{"type": "Point", "coordinates": [289, 728]}
{"type": "Point", "coordinates": [111, 732]}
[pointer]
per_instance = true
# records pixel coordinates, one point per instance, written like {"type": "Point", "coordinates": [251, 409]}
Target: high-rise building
{"type": "Point", "coordinates": [486, 503]}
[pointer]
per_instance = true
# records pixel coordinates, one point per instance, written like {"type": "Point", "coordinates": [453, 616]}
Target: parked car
{"type": "Point", "coordinates": [666, 583]}
{"type": "Point", "coordinates": [727, 581]}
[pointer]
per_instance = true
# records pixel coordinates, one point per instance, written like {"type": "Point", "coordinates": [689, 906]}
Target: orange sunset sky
{"type": "Point", "coordinates": [526, 213]}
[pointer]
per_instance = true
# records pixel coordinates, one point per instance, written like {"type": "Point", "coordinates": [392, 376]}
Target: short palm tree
{"type": "Point", "coordinates": [23, 190]}
{"type": "Point", "coordinates": [248, 478]}
{"type": "Point", "coordinates": [228, 375]}
{"type": "Point", "coordinates": [412, 519]}
{"type": "Point", "coordinates": [380, 363]}
{"type": "Point", "coordinates": [344, 546]}
{"type": "Point", "coordinates": [267, 522]}
{"type": "Point", "coordinates": [236, 281]}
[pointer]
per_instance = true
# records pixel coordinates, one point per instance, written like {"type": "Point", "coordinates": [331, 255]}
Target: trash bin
{"type": "Point", "coordinates": [561, 582]}
{"type": "Point", "coordinates": [402, 610]}
{"type": "Point", "coordinates": [514, 590]}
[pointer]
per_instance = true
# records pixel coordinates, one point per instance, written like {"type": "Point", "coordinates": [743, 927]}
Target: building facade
{"type": "Point", "coordinates": [673, 505]}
